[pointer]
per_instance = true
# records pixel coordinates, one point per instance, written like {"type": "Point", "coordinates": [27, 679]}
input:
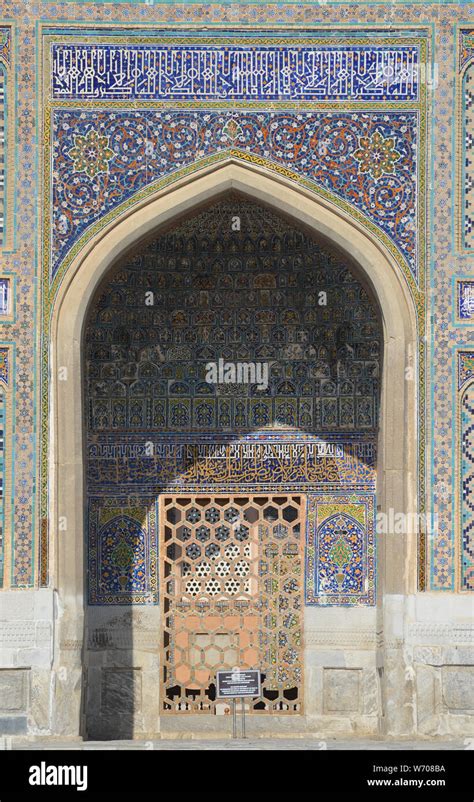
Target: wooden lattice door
{"type": "Point", "coordinates": [232, 595]}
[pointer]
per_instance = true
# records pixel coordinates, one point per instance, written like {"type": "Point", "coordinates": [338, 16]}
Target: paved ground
{"type": "Point", "coordinates": [277, 743]}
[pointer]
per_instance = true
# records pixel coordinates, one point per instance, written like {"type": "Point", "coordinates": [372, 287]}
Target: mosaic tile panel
{"type": "Point", "coordinates": [103, 157]}
{"type": "Point", "coordinates": [465, 367]}
{"type": "Point", "coordinates": [467, 488]}
{"type": "Point", "coordinates": [340, 549]}
{"type": "Point", "coordinates": [122, 551]}
{"type": "Point", "coordinates": [148, 463]}
{"type": "Point", "coordinates": [2, 153]}
{"type": "Point", "coordinates": [464, 486]}
{"type": "Point", "coordinates": [465, 300]}
{"type": "Point", "coordinates": [466, 47]}
{"type": "Point", "coordinates": [4, 365]}
{"type": "Point", "coordinates": [468, 166]}
{"type": "Point", "coordinates": [233, 72]}
{"type": "Point", "coordinates": [5, 296]}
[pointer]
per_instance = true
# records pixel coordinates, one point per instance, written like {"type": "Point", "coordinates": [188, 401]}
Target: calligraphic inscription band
{"type": "Point", "coordinates": [151, 72]}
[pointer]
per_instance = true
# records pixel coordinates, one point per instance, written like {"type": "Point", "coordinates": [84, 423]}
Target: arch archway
{"type": "Point", "coordinates": [398, 430]}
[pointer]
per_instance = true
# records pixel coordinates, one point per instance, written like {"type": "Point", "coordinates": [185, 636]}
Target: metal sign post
{"type": "Point", "coordinates": [237, 684]}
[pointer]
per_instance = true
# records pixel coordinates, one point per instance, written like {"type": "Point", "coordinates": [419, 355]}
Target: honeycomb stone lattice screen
{"type": "Point", "coordinates": [232, 580]}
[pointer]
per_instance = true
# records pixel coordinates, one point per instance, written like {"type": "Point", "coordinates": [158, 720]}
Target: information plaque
{"type": "Point", "coordinates": [238, 683]}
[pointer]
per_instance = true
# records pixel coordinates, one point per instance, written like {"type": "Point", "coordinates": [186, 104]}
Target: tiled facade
{"type": "Point", "coordinates": [467, 474]}
{"type": "Point", "coordinates": [369, 160]}
{"type": "Point", "coordinates": [466, 51]}
{"type": "Point", "coordinates": [369, 107]}
{"type": "Point", "coordinates": [5, 47]}
{"type": "Point", "coordinates": [401, 226]}
{"type": "Point", "coordinates": [465, 461]}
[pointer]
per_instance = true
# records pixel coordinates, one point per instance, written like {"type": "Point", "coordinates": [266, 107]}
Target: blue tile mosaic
{"type": "Point", "coordinates": [104, 157]}
{"type": "Point", "coordinates": [467, 488]}
{"type": "Point", "coordinates": [465, 300]}
{"type": "Point", "coordinates": [340, 549]}
{"type": "Point", "coordinates": [252, 72]}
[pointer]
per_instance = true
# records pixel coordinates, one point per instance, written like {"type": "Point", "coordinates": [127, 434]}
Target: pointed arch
{"type": "Point", "coordinates": [398, 449]}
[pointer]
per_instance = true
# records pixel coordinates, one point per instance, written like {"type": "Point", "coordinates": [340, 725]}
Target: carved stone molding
{"type": "Point", "coordinates": [365, 639]}
{"type": "Point", "coordinates": [440, 633]}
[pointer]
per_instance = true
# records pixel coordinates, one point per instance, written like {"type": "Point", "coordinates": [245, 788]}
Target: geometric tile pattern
{"type": "Point", "coordinates": [451, 140]}
{"type": "Point", "coordinates": [465, 367]}
{"type": "Point", "coordinates": [340, 549]}
{"type": "Point", "coordinates": [232, 588]}
{"type": "Point", "coordinates": [467, 488]}
{"type": "Point", "coordinates": [5, 47]}
{"type": "Point", "coordinates": [4, 365]}
{"type": "Point", "coordinates": [2, 153]}
{"type": "Point", "coordinates": [468, 167]}
{"type": "Point", "coordinates": [122, 557]}
{"type": "Point", "coordinates": [105, 156]}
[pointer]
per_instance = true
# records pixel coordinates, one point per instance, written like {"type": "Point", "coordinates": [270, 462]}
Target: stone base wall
{"type": "Point", "coordinates": [440, 648]}
{"type": "Point", "coordinates": [403, 670]}
{"type": "Point", "coordinates": [27, 622]}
